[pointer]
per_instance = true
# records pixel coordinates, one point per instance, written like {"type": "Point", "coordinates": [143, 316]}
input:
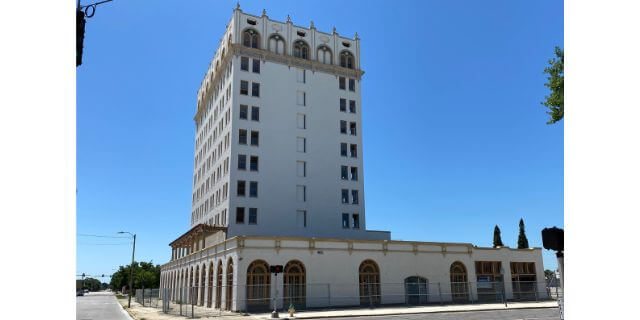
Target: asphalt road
{"type": "Point", "coordinates": [99, 306]}
{"type": "Point", "coordinates": [514, 314]}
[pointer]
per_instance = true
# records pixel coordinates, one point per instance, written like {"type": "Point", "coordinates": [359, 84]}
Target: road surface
{"type": "Point", "coordinates": [513, 314]}
{"type": "Point", "coordinates": [99, 306]}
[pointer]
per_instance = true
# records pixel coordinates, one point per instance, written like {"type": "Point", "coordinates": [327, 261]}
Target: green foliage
{"type": "Point", "coordinates": [497, 240]}
{"type": "Point", "coordinates": [548, 274]}
{"type": "Point", "coordinates": [555, 100]}
{"type": "Point", "coordinates": [145, 274]}
{"type": "Point", "coordinates": [523, 243]}
{"type": "Point", "coordinates": [91, 284]}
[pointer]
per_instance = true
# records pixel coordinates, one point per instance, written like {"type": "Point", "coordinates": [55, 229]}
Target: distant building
{"type": "Point", "coordinates": [279, 180]}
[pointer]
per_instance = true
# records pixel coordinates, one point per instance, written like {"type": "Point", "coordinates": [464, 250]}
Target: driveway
{"type": "Point", "coordinates": [99, 306]}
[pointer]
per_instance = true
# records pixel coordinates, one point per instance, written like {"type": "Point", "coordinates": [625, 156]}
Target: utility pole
{"type": "Point", "coordinates": [133, 253]}
{"type": "Point", "coordinates": [553, 239]}
{"type": "Point", "coordinates": [89, 11]}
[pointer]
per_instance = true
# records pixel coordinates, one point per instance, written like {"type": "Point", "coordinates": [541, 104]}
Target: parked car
{"type": "Point", "coordinates": [79, 292]}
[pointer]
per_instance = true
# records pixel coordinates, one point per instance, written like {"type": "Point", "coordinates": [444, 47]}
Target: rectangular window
{"type": "Point", "coordinates": [344, 172]}
{"type": "Point", "coordinates": [354, 173]}
{"type": "Point", "coordinates": [301, 98]}
{"type": "Point", "coordinates": [345, 196]}
{"type": "Point", "coordinates": [354, 197]}
{"type": "Point", "coordinates": [345, 220]}
{"type": "Point", "coordinates": [301, 168]}
{"type": "Point", "coordinates": [354, 151]}
{"type": "Point", "coordinates": [301, 193]}
{"type": "Point", "coordinates": [301, 218]}
{"type": "Point", "coordinates": [352, 106]}
{"type": "Point", "coordinates": [253, 189]}
{"type": "Point", "coordinates": [255, 137]}
{"type": "Point", "coordinates": [343, 148]}
{"type": "Point", "coordinates": [352, 128]}
{"type": "Point", "coordinates": [242, 162]}
{"type": "Point", "coordinates": [255, 89]}
{"type": "Point", "coordinates": [244, 110]}
{"type": "Point", "coordinates": [343, 105]}
{"type": "Point", "coordinates": [356, 221]}
{"type": "Point", "coordinates": [239, 215]}
{"type": "Point", "coordinates": [242, 136]}
{"type": "Point", "coordinates": [301, 75]}
{"type": "Point", "coordinates": [256, 66]}
{"type": "Point", "coordinates": [302, 144]}
{"type": "Point", "coordinates": [302, 121]}
{"type": "Point", "coordinates": [342, 83]}
{"type": "Point", "coordinates": [352, 85]}
{"type": "Point", "coordinates": [244, 87]}
{"type": "Point", "coordinates": [343, 126]}
{"type": "Point", "coordinates": [255, 113]}
{"type": "Point", "coordinates": [241, 188]}
{"type": "Point", "coordinates": [244, 63]}
{"type": "Point", "coordinates": [253, 215]}
{"type": "Point", "coordinates": [253, 166]}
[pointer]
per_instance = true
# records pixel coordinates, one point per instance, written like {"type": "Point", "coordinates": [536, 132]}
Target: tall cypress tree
{"type": "Point", "coordinates": [497, 240]}
{"type": "Point", "coordinates": [523, 243]}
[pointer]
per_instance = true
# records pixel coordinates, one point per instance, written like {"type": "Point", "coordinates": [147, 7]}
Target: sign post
{"type": "Point", "coordinates": [275, 270]}
{"type": "Point", "coordinates": [553, 239]}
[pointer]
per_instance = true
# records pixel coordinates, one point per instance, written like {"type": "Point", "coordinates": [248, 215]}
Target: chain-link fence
{"type": "Point", "coordinates": [199, 301]}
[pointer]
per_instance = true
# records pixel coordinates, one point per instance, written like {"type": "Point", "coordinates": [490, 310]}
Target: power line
{"type": "Point", "coordinates": [105, 244]}
{"type": "Point", "coordinates": [100, 236]}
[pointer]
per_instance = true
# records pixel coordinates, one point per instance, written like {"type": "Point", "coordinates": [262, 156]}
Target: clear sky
{"type": "Point", "coordinates": [455, 137]}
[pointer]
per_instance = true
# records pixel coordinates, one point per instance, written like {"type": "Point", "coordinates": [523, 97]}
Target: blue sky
{"type": "Point", "coordinates": [455, 139]}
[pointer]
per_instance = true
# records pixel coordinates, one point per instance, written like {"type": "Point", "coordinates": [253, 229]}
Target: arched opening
{"type": "Point", "coordinates": [229, 300]}
{"type": "Point", "coordinates": [258, 286]}
{"type": "Point", "coordinates": [210, 287]}
{"type": "Point", "coordinates": [416, 290]}
{"type": "Point", "coordinates": [276, 44]}
{"type": "Point", "coordinates": [203, 278]}
{"type": "Point", "coordinates": [346, 59]}
{"type": "Point", "coordinates": [196, 285]}
{"type": "Point", "coordinates": [300, 49]}
{"type": "Point", "coordinates": [219, 286]}
{"type": "Point", "coordinates": [324, 55]}
{"type": "Point", "coordinates": [295, 284]}
{"type": "Point", "coordinates": [251, 38]}
{"type": "Point", "coordinates": [190, 286]}
{"type": "Point", "coordinates": [459, 282]}
{"type": "Point", "coordinates": [369, 276]}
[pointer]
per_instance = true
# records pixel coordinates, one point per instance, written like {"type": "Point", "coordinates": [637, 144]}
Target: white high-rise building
{"type": "Point", "coordinates": [278, 147]}
{"type": "Point", "coordinates": [278, 180]}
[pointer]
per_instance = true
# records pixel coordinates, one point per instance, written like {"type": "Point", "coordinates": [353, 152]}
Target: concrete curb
{"type": "Point", "coordinates": [418, 312]}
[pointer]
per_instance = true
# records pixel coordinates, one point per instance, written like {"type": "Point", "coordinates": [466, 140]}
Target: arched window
{"type": "Point", "coordinates": [210, 287]}
{"type": "Point", "coordinates": [196, 285]}
{"type": "Point", "coordinates": [258, 286]}
{"type": "Point", "coordinates": [459, 284]}
{"type": "Point", "coordinates": [276, 44]}
{"type": "Point", "coordinates": [416, 290]}
{"type": "Point", "coordinates": [229, 300]}
{"type": "Point", "coordinates": [203, 278]}
{"type": "Point", "coordinates": [294, 284]}
{"type": "Point", "coordinates": [190, 286]}
{"type": "Point", "coordinates": [251, 38]}
{"type": "Point", "coordinates": [346, 59]}
{"type": "Point", "coordinates": [219, 286]}
{"type": "Point", "coordinates": [324, 55]}
{"type": "Point", "coordinates": [300, 49]}
{"type": "Point", "coordinates": [369, 276]}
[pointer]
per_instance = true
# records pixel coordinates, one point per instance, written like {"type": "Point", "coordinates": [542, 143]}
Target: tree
{"type": "Point", "coordinates": [497, 240]}
{"type": "Point", "coordinates": [523, 243]}
{"type": "Point", "coordinates": [548, 274]}
{"type": "Point", "coordinates": [145, 274]}
{"type": "Point", "coordinates": [91, 284]}
{"type": "Point", "coordinates": [555, 100]}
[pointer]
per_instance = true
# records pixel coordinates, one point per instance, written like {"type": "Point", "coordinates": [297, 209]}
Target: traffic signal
{"type": "Point", "coordinates": [83, 274]}
{"type": "Point", "coordinates": [103, 275]}
{"type": "Point", "coordinates": [275, 269]}
{"type": "Point", "coordinates": [553, 239]}
{"type": "Point", "coordinates": [80, 23]}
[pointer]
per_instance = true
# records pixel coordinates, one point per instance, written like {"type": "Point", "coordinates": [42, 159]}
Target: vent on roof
{"type": "Point", "coordinates": [346, 44]}
{"type": "Point", "coordinates": [300, 33]}
{"type": "Point", "coordinates": [251, 22]}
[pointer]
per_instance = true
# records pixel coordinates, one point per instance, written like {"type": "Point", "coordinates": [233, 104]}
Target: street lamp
{"type": "Point", "coordinates": [131, 272]}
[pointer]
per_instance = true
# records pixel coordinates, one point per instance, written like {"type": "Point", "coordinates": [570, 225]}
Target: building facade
{"type": "Point", "coordinates": [278, 179]}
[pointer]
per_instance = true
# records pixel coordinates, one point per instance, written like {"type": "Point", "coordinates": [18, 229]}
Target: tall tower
{"type": "Point", "coordinates": [278, 146]}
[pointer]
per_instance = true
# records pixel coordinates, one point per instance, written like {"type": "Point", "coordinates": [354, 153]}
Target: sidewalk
{"type": "Point", "coordinates": [400, 310]}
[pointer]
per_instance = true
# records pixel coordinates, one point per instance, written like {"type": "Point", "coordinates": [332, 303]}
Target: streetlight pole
{"type": "Point", "coordinates": [133, 253]}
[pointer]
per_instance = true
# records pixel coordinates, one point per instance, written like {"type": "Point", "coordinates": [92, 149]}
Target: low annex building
{"type": "Point", "coordinates": [278, 180]}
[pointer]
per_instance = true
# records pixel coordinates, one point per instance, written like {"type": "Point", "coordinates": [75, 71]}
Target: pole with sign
{"type": "Point", "coordinates": [275, 270]}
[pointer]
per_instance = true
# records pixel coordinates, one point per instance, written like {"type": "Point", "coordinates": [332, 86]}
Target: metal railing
{"type": "Point", "coordinates": [198, 301]}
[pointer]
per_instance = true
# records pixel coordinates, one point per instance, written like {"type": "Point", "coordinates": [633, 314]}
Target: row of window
{"type": "Point", "coordinates": [242, 162]}
{"type": "Point", "coordinates": [244, 113]}
{"type": "Point", "coordinates": [349, 174]}
{"type": "Point", "coordinates": [242, 137]}
{"type": "Point", "coordinates": [244, 88]}
{"type": "Point", "coordinates": [253, 215]}
{"type": "Point", "coordinates": [352, 127]}
{"type": "Point", "coordinates": [244, 65]}
{"type": "Point", "coordinates": [347, 150]}
{"type": "Point", "coordinates": [342, 84]}
{"type": "Point", "coordinates": [343, 105]}
{"type": "Point", "coordinates": [354, 196]}
{"type": "Point", "coordinates": [241, 190]}
{"type": "Point", "coordinates": [355, 221]}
